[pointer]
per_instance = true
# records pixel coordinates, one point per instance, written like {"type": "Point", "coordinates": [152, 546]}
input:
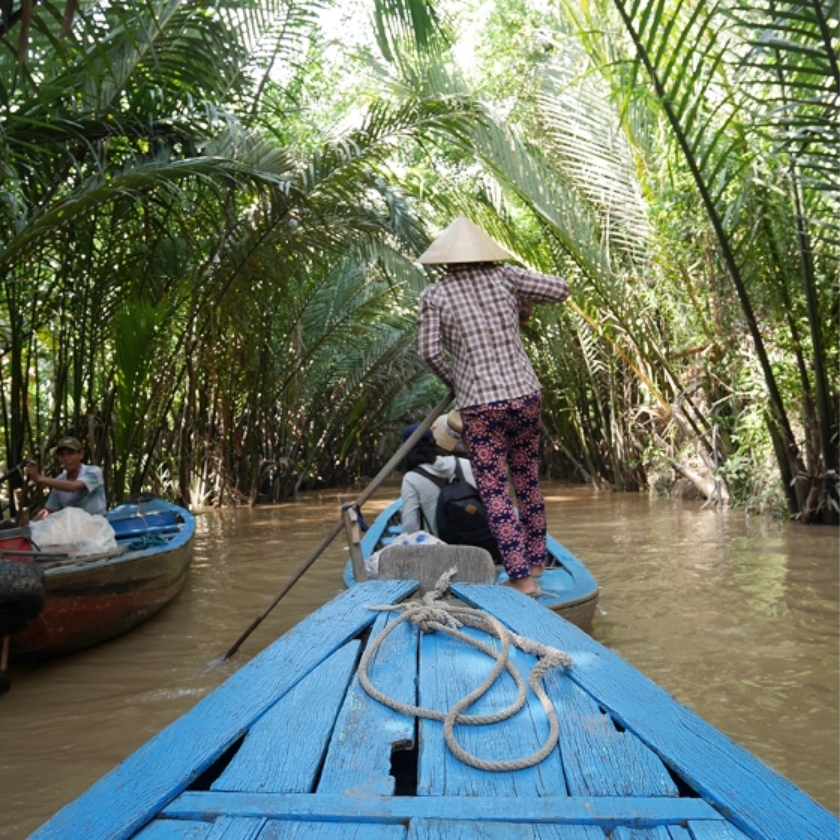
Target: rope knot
{"type": "Point", "coordinates": [429, 617]}
{"type": "Point", "coordinates": [441, 587]}
{"type": "Point", "coordinates": [550, 657]}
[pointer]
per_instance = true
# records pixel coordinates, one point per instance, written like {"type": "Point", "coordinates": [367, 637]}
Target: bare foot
{"type": "Point", "coordinates": [536, 570]}
{"type": "Point", "coordinates": [525, 585]}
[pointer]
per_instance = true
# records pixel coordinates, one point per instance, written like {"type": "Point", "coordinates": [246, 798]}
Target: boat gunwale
{"type": "Point", "coordinates": [174, 542]}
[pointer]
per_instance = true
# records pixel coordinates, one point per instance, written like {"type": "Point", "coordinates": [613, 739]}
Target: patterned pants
{"type": "Point", "coordinates": [505, 436]}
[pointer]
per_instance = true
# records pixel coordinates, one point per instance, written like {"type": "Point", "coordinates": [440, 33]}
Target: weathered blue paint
{"type": "Point", "coordinates": [378, 531]}
{"type": "Point", "coordinates": [297, 750]}
{"type": "Point", "coordinates": [270, 760]}
{"type": "Point", "coordinates": [358, 761]}
{"type": "Point", "coordinates": [606, 812]}
{"type": "Point", "coordinates": [759, 801]}
{"type": "Point", "coordinates": [131, 794]}
{"type": "Point", "coordinates": [450, 669]}
{"type": "Point", "coordinates": [179, 830]}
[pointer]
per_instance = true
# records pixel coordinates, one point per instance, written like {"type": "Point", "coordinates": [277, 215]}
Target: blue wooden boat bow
{"type": "Point", "coordinates": [292, 746]}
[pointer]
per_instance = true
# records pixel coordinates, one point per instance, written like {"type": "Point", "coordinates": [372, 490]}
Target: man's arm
{"type": "Point", "coordinates": [66, 485]}
{"type": "Point", "coordinates": [411, 511]}
{"type": "Point", "coordinates": [75, 485]}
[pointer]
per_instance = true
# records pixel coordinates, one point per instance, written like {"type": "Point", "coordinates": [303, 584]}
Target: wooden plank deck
{"type": "Point", "coordinates": [292, 747]}
{"type": "Point", "coordinates": [131, 794]}
{"type": "Point", "coordinates": [759, 801]}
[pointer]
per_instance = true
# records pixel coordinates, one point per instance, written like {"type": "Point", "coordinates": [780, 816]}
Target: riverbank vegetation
{"type": "Point", "coordinates": [210, 213]}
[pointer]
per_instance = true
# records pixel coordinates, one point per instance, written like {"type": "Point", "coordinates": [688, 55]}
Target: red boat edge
{"type": "Point", "coordinates": [92, 600]}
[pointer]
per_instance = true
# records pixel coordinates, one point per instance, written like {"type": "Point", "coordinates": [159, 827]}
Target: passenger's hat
{"type": "Point", "coordinates": [463, 242]}
{"type": "Point", "coordinates": [69, 443]}
{"type": "Point", "coordinates": [448, 431]}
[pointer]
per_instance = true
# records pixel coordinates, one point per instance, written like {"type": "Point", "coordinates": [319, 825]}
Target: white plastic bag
{"type": "Point", "coordinates": [75, 532]}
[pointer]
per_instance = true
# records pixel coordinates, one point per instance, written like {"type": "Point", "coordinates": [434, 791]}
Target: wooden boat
{"type": "Point", "coordinates": [568, 586]}
{"type": "Point", "coordinates": [92, 599]}
{"type": "Point", "coordinates": [292, 745]}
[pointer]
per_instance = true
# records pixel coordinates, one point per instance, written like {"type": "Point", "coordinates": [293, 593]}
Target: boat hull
{"type": "Point", "coordinates": [91, 601]}
{"type": "Point", "coordinates": [569, 588]}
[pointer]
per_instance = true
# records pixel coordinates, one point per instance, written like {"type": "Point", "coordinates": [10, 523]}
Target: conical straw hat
{"type": "Point", "coordinates": [463, 242]}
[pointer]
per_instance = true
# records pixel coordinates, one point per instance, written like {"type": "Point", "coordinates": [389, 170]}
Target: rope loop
{"type": "Point", "coordinates": [432, 614]}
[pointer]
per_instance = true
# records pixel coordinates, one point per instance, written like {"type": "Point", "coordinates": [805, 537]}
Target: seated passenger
{"type": "Point", "coordinates": [432, 453]}
{"type": "Point", "coordinates": [78, 485]}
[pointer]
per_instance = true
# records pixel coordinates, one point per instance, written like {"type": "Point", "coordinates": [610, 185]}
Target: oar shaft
{"type": "Point", "coordinates": [339, 526]}
{"type": "Point", "coordinates": [289, 584]}
{"type": "Point", "coordinates": [404, 450]}
{"type": "Point", "coordinates": [6, 476]}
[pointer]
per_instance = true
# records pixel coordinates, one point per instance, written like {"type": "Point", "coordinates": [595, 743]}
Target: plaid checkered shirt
{"type": "Point", "coordinates": [473, 315]}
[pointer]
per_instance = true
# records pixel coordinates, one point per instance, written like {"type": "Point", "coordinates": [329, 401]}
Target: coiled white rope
{"type": "Point", "coordinates": [432, 614]}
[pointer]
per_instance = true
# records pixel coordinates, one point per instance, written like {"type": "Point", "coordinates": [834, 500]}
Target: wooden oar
{"type": "Point", "coordinates": [7, 475]}
{"type": "Point", "coordinates": [339, 526]}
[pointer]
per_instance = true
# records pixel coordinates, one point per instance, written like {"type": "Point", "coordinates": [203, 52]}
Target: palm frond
{"type": "Point", "coordinates": [684, 47]}
{"type": "Point", "coordinates": [587, 136]}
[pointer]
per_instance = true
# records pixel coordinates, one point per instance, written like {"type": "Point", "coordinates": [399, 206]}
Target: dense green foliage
{"type": "Point", "coordinates": [209, 214]}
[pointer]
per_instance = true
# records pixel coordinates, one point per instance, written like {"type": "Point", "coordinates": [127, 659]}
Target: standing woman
{"type": "Point", "coordinates": [472, 314]}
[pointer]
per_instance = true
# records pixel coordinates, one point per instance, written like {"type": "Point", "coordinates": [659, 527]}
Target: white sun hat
{"type": "Point", "coordinates": [463, 242]}
{"type": "Point", "coordinates": [448, 431]}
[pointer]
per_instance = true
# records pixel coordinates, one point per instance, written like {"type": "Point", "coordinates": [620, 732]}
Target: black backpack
{"type": "Point", "coordinates": [460, 515]}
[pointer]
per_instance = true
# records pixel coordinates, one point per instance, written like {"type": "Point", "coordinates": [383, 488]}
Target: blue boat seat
{"type": "Point", "coordinates": [154, 522]}
{"type": "Point", "coordinates": [136, 532]}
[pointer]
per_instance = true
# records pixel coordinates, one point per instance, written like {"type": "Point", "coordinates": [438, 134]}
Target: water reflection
{"type": "Point", "coordinates": [737, 618]}
{"type": "Point", "coordinates": [763, 579]}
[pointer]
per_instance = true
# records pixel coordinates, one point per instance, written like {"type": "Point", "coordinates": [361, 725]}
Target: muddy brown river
{"type": "Point", "coordinates": [737, 617]}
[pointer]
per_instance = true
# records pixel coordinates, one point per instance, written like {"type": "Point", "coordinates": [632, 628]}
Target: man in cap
{"type": "Point", "coordinates": [470, 339]}
{"type": "Point", "coordinates": [78, 485]}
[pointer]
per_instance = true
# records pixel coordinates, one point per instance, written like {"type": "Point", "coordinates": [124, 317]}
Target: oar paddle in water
{"type": "Point", "coordinates": [339, 526]}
